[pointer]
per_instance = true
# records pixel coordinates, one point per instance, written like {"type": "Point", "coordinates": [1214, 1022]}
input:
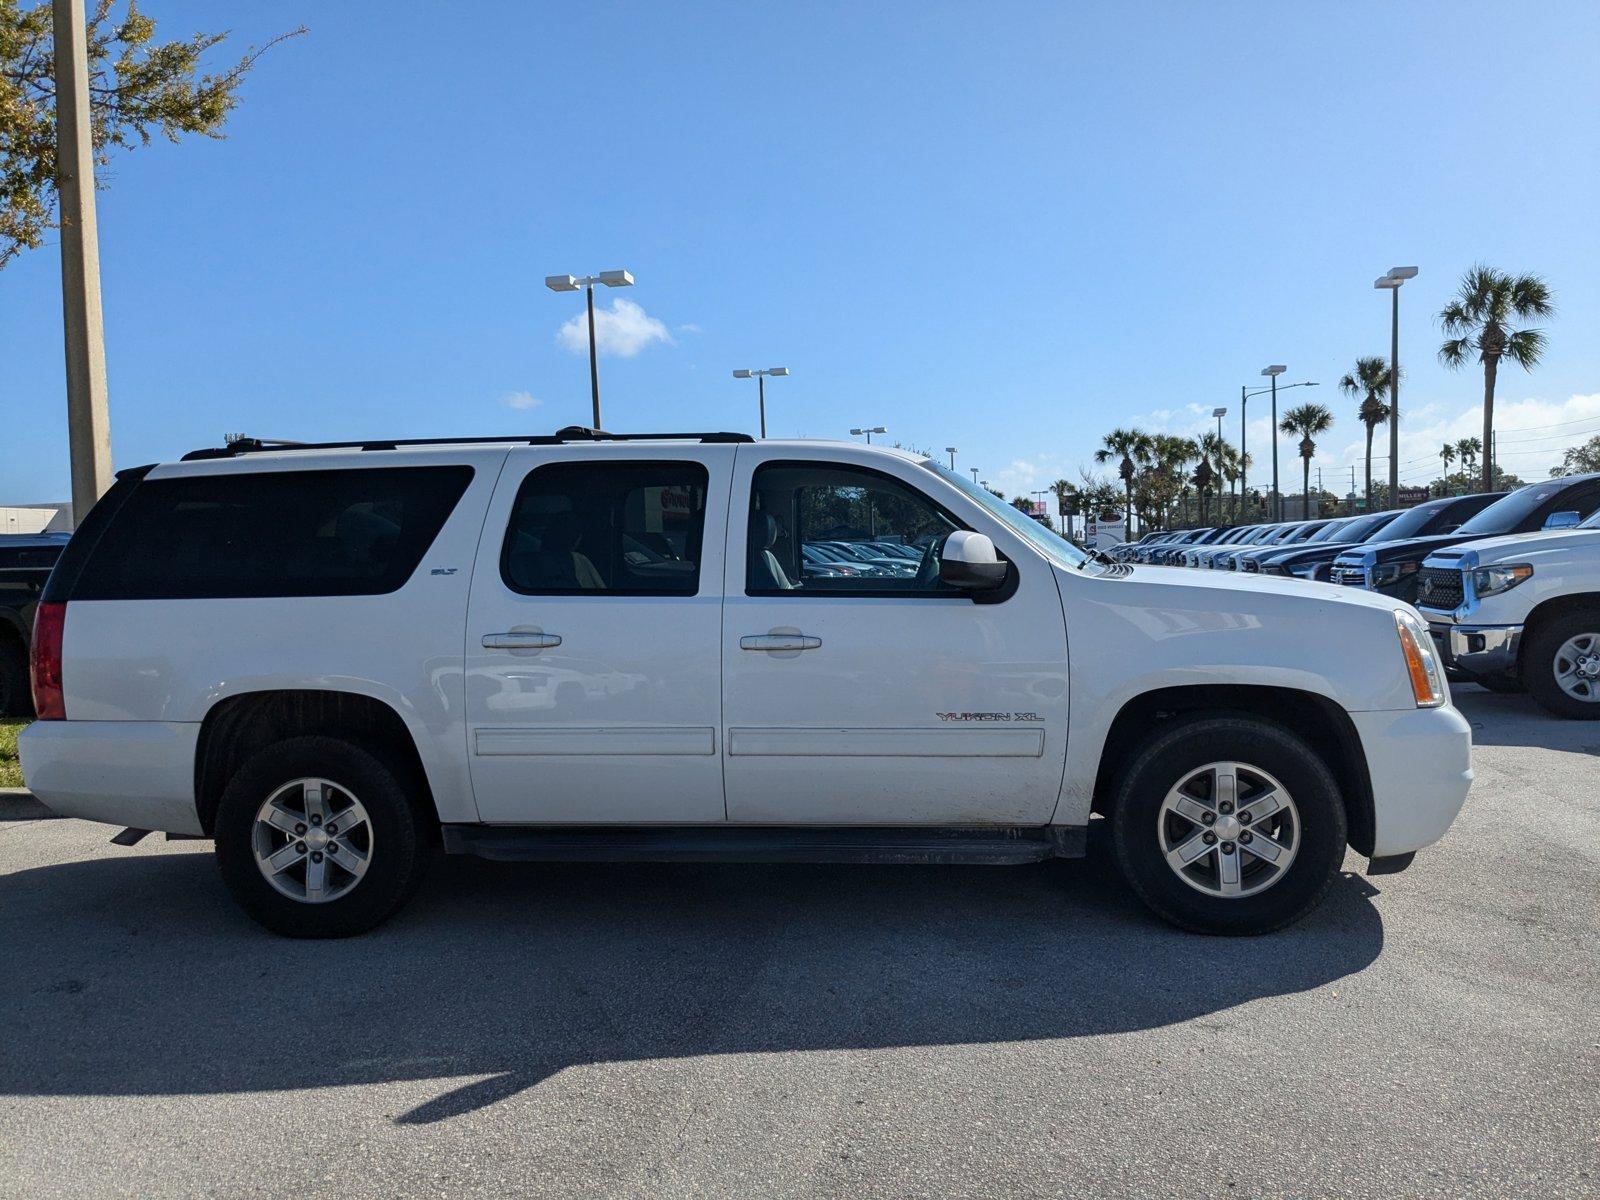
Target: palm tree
{"type": "Point", "coordinates": [1478, 321]}
{"type": "Point", "coordinates": [1468, 449]}
{"type": "Point", "coordinates": [1370, 380]}
{"type": "Point", "coordinates": [1308, 420]}
{"type": "Point", "coordinates": [1131, 446]}
{"type": "Point", "coordinates": [1447, 455]}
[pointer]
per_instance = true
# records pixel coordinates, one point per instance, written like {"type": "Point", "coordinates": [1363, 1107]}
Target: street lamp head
{"type": "Point", "coordinates": [561, 283]}
{"type": "Point", "coordinates": [777, 370]}
{"type": "Point", "coordinates": [1219, 412]}
{"type": "Point", "coordinates": [615, 278]}
{"type": "Point", "coordinates": [741, 374]}
{"type": "Point", "coordinates": [1402, 272]}
{"type": "Point", "coordinates": [1384, 282]}
{"type": "Point", "coordinates": [1274, 371]}
{"type": "Point", "coordinates": [949, 449]}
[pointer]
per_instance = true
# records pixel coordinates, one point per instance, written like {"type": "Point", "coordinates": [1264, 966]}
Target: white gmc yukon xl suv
{"type": "Point", "coordinates": [333, 660]}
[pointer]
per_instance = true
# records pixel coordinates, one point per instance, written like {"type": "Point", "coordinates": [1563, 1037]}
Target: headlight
{"type": "Point", "coordinates": [1422, 660]}
{"type": "Point", "coordinates": [1389, 572]}
{"type": "Point", "coordinates": [1489, 581]}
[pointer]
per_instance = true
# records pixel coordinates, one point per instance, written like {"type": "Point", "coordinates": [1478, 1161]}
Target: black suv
{"type": "Point", "coordinates": [1391, 567]}
{"type": "Point", "coordinates": [25, 563]}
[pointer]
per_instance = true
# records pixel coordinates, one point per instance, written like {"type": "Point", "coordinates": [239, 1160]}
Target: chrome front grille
{"type": "Point", "coordinates": [1350, 576]}
{"type": "Point", "coordinates": [1440, 587]}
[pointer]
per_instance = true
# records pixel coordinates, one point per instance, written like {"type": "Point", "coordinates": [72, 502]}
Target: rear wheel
{"type": "Point", "coordinates": [317, 837]}
{"type": "Point", "coordinates": [1561, 664]}
{"type": "Point", "coordinates": [1228, 825]}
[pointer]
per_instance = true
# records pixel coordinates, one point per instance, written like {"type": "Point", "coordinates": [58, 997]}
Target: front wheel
{"type": "Point", "coordinates": [318, 838]}
{"type": "Point", "coordinates": [1561, 664]}
{"type": "Point", "coordinates": [1228, 825]}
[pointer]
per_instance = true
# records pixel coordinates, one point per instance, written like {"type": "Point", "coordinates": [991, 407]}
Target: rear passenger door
{"type": "Point", "coordinates": [593, 679]}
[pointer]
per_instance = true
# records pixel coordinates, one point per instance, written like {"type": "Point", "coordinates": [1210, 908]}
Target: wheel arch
{"type": "Point", "coordinates": [1546, 610]}
{"type": "Point", "coordinates": [1316, 719]}
{"type": "Point", "coordinates": [240, 725]}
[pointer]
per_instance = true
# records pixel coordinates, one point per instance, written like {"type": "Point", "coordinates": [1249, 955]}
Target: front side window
{"type": "Point", "coordinates": [622, 528]}
{"type": "Point", "coordinates": [821, 529]}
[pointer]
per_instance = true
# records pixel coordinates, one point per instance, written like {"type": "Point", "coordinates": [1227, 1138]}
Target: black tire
{"type": "Point", "coordinates": [1539, 663]}
{"type": "Point", "coordinates": [16, 699]}
{"type": "Point", "coordinates": [1165, 760]}
{"type": "Point", "coordinates": [401, 837]}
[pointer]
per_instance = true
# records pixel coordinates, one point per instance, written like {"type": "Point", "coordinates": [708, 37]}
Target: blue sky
{"type": "Point", "coordinates": [1001, 227]}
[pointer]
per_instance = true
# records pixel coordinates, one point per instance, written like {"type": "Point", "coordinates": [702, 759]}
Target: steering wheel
{"type": "Point", "coordinates": [928, 569]}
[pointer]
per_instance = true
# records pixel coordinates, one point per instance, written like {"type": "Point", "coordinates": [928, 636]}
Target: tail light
{"type": "Point", "coordinates": [49, 704]}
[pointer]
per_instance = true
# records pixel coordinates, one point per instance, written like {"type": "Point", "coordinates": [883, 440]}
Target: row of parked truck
{"type": "Point", "coordinates": [1509, 582]}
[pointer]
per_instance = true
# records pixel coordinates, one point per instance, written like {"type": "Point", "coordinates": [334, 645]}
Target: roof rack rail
{"type": "Point", "coordinates": [239, 444]}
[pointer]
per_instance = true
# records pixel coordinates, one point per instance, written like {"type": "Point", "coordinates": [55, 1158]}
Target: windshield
{"type": "Point", "coordinates": [1330, 531]}
{"type": "Point", "coordinates": [1042, 537]}
{"type": "Point", "coordinates": [1505, 514]}
{"type": "Point", "coordinates": [1592, 521]}
{"type": "Point", "coordinates": [1412, 522]}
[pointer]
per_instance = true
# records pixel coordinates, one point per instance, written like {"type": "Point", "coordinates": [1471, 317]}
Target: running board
{"type": "Point", "coordinates": [981, 846]}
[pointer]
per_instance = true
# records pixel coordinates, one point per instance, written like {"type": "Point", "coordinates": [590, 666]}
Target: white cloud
{"type": "Point", "coordinates": [691, 327]}
{"type": "Point", "coordinates": [1532, 433]}
{"type": "Point", "coordinates": [1024, 475]}
{"type": "Point", "coordinates": [620, 331]}
{"type": "Point", "coordinates": [520, 400]}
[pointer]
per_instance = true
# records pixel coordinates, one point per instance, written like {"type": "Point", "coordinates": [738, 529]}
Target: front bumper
{"type": "Point", "coordinates": [1420, 764]}
{"type": "Point", "coordinates": [1477, 649]}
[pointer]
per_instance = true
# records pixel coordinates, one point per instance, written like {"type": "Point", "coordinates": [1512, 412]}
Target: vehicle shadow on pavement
{"type": "Point", "coordinates": [1515, 720]}
{"type": "Point", "coordinates": [135, 975]}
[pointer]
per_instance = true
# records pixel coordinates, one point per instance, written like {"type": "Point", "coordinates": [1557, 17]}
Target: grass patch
{"type": "Point", "coordinates": [10, 768]}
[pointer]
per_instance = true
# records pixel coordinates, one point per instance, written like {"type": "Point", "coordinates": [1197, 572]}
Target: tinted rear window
{"type": "Point", "coordinates": [286, 533]}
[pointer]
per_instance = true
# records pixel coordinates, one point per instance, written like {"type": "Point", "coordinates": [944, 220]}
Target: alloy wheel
{"type": "Point", "coordinates": [312, 840]}
{"type": "Point", "coordinates": [1577, 667]}
{"type": "Point", "coordinates": [1228, 829]}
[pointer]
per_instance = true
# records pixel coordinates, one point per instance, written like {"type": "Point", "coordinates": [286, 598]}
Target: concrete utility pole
{"type": "Point", "coordinates": [88, 417]}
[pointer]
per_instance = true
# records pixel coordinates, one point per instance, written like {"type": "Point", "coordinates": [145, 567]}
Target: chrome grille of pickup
{"type": "Point", "coordinates": [1439, 587]}
{"type": "Point", "coordinates": [1350, 576]}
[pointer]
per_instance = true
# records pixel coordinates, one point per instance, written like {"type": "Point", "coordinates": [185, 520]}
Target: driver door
{"type": "Point", "coordinates": [868, 692]}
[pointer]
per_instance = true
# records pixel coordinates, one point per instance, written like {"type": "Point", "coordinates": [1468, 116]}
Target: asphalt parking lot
{"type": "Point", "coordinates": [852, 1031]}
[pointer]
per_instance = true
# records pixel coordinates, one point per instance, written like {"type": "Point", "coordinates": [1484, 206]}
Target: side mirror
{"type": "Point", "coordinates": [1450, 528]}
{"type": "Point", "coordinates": [968, 560]}
{"type": "Point", "coordinates": [1562, 520]}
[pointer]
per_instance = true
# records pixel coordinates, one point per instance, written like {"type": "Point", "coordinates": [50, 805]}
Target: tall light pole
{"type": "Point", "coordinates": [571, 283]}
{"type": "Point", "coordinates": [761, 388]}
{"type": "Point", "coordinates": [951, 451]}
{"type": "Point", "coordinates": [1391, 283]}
{"type": "Point", "coordinates": [88, 415]}
{"type": "Point", "coordinates": [1219, 413]}
{"type": "Point", "coordinates": [974, 474]}
{"type": "Point", "coordinates": [1277, 496]}
{"type": "Point", "coordinates": [868, 431]}
{"type": "Point", "coordinates": [1244, 396]}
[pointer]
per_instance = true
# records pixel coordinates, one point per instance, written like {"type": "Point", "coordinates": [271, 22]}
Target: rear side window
{"type": "Point", "coordinates": [284, 533]}
{"type": "Point", "coordinates": [617, 528]}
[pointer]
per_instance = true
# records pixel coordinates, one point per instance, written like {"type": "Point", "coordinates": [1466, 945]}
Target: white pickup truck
{"type": "Point", "coordinates": [1522, 611]}
{"type": "Point", "coordinates": [333, 659]}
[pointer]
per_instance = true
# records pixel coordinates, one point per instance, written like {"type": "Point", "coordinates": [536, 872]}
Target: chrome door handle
{"type": "Point", "coordinates": [779, 641]}
{"type": "Point", "coordinates": [521, 641]}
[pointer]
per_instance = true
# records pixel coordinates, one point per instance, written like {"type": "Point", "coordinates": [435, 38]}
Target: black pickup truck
{"type": "Point", "coordinates": [25, 563]}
